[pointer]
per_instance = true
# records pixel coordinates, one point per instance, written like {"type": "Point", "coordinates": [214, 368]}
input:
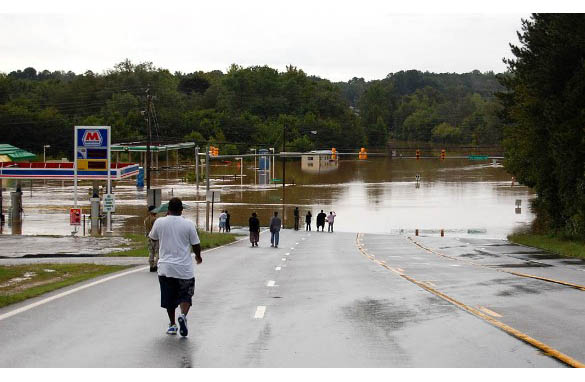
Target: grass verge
{"type": "Point", "coordinates": [138, 246]}
{"type": "Point", "coordinates": [562, 247]}
{"type": "Point", "coordinates": [19, 282]}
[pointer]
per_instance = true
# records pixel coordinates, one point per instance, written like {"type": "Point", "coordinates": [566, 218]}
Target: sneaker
{"type": "Point", "coordinates": [172, 329]}
{"type": "Point", "coordinates": [183, 324]}
{"type": "Point", "coordinates": [276, 246]}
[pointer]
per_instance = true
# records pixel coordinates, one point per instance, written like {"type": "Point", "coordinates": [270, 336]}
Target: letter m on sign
{"type": "Point", "coordinates": [92, 138]}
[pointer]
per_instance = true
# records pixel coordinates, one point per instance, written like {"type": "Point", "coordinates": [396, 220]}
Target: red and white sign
{"type": "Point", "coordinates": [75, 216]}
{"type": "Point", "coordinates": [92, 138]}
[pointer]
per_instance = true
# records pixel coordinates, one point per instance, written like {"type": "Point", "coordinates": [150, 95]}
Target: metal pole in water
{"type": "Point", "coordinates": [197, 168]}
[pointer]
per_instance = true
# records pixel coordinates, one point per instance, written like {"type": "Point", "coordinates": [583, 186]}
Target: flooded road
{"type": "Point", "coordinates": [378, 195]}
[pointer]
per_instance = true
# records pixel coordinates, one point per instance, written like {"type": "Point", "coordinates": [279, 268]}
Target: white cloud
{"type": "Point", "coordinates": [331, 40]}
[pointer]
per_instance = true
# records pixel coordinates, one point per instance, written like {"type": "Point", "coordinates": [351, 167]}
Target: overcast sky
{"type": "Point", "coordinates": [336, 40]}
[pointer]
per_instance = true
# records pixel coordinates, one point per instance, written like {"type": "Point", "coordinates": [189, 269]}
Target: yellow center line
{"type": "Point", "coordinates": [490, 312]}
{"type": "Point", "coordinates": [478, 313]}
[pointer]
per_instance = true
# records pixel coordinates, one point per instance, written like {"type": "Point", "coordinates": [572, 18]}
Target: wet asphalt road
{"type": "Point", "coordinates": [325, 305]}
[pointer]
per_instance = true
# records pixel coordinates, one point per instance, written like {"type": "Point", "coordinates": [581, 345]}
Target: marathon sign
{"type": "Point", "coordinates": [92, 137]}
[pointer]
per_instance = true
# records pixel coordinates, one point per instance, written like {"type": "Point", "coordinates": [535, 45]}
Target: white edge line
{"type": "Point", "coordinates": [260, 310]}
{"type": "Point", "coordinates": [100, 281]}
{"type": "Point", "coordinates": [66, 293]}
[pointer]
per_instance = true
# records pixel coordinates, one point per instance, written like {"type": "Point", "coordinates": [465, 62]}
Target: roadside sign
{"type": "Point", "coordinates": [213, 196]}
{"type": "Point", "coordinates": [75, 216]}
{"type": "Point", "coordinates": [109, 203]}
{"type": "Point", "coordinates": [91, 152]}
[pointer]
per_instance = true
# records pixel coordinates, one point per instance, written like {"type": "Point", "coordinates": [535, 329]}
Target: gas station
{"type": "Point", "coordinates": [92, 160]}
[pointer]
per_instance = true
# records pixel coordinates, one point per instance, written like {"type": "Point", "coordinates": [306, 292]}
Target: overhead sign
{"type": "Point", "coordinates": [213, 196]}
{"type": "Point", "coordinates": [109, 203]}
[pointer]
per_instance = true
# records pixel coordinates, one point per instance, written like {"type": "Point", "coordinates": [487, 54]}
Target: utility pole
{"type": "Point", "coordinates": [283, 173]}
{"type": "Point", "coordinates": [206, 188]}
{"type": "Point", "coordinates": [148, 140]}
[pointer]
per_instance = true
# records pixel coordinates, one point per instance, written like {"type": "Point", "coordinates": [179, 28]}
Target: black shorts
{"type": "Point", "coordinates": [175, 291]}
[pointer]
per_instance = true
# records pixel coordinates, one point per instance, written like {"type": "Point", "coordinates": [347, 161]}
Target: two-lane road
{"type": "Point", "coordinates": [316, 301]}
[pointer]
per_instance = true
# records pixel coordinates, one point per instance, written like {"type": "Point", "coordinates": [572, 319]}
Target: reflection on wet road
{"type": "Point", "coordinates": [329, 306]}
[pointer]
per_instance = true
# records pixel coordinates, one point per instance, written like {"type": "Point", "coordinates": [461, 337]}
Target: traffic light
{"type": "Point", "coordinates": [363, 154]}
{"type": "Point", "coordinates": [443, 152]}
{"type": "Point", "coordinates": [417, 154]}
{"type": "Point", "coordinates": [333, 153]}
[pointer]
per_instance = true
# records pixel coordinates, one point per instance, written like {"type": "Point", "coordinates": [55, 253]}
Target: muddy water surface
{"type": "Point", "coordinates": [379, 195]}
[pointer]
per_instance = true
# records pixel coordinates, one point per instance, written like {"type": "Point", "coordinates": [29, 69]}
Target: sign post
{"type": "Point", "coordinates": [75, 216]}
{"type": "Point", "coordinates": [92, 152]}
{"type": "Point", "coordinates": [212, 196]}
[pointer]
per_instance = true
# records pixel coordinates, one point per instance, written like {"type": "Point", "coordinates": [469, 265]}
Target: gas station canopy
{"type": "Point", "coordinates": [9, 153]}
{"type": "Point", "coordinates": [154, 148]}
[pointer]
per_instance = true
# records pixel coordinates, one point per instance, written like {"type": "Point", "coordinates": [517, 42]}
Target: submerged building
{"type": "Point", "coordinates": [319, 161]}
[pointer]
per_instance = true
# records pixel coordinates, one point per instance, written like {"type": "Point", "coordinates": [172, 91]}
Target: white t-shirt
{"type": "Point", "coordinates": [223, 217]}
{"type": "Point", "coordinates": [175, 235]}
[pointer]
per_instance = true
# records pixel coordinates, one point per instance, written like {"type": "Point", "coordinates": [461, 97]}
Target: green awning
{"type": "Point", "coordinates": [15, 154]}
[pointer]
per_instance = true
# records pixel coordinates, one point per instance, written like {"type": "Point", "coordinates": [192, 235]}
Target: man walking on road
{"type": "Point", "coordinates": [152, 245]}
{"type": "Point", "coordinates": [296, 218]}
{"type": "Point", "coordinates": [275, 224]}
{"type": "Point", "coordinates": [176, 236]}
{"type": "Point", "coordinates": [330, 220]}
{"type": "Point", "coordinates": [321, 221]}
{"type": "Point", "coordinates": [254, 224]}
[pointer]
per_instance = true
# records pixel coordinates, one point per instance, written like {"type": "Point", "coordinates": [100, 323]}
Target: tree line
{"type": "Point", "coordinates": [544, 119]}
{"type": "Point", "coordinates": [246, 107]}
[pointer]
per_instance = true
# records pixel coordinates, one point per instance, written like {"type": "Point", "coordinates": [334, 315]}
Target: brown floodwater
{"type": "Point", "coordinates": [378, 195]}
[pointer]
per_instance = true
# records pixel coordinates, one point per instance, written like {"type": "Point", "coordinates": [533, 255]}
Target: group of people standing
{"type": "Point", "coordinates": [322, 217]}
{"type": "Point", "coordinates": [276, 224]}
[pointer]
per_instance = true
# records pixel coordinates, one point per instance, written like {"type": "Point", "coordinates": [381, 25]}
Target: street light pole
{"type": "Point", "coordinates": [254, 164]}
{"type": "Point", "coordinates": [45, 147]}
{"type": "Point", "coordinates": [271, 169]}
{"type": "Point", "coordinates": [149, 141]}
{"type": "Point", "coordinates": [283, 173]}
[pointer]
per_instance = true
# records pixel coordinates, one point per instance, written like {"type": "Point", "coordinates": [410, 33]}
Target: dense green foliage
{"type": "Point", "coordinates": [248, 106]}
{"type": "Point", "coordinates": [429, 107]}
{"type": "Point", "coordinates": [545, 107]}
